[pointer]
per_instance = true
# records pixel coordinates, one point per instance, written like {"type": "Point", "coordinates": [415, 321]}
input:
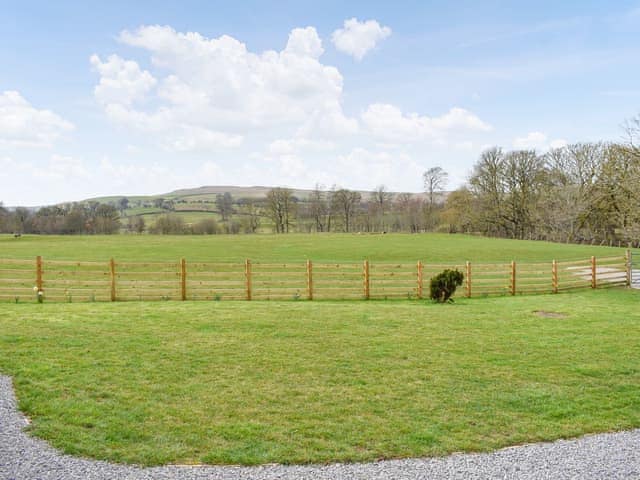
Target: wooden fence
{"type": "Point", "coordinates": [69, 281]}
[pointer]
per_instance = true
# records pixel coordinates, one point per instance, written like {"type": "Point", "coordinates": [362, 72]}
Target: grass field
{"type": "Point", "coordinates": [211, 382]}
{"type": "Point", "coordinates": [434, 248]}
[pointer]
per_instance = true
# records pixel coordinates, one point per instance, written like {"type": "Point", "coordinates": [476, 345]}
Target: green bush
{"type": "Point", "coordinates": [444, 285]}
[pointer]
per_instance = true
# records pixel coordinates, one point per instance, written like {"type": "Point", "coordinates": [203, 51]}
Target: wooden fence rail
{"type": "Point", "coordinates": [20, 280]}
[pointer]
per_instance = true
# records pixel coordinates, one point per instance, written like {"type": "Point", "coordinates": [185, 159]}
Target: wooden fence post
{"type": "Point", "coordinates": [183, 279]}
{"type": "Point", "coordinates": [629, 267]}
{"type": "Point", "coordinates": [366, 279]}
{"type": "Point", "coordinates": [468, 279]}
{"type": "Point", "coordinates": [309, 280]}
{"type": "Point", "coordinates": [112, 274]}
{"type": "Point", "coordinates": [594, 280]}
{"type": "Point", "coordinates": [554, 276]}
{"type": "Point", "coordinates": [513, 277]}
{"type": "Point", "coordinates": [247, 275]}
{"type": "Point", "coordinates": [420, 279]}
{"type": "Point", "coordinates": [39, 273]}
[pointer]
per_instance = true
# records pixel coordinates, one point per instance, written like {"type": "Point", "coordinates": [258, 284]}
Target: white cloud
{"type": "Point", "coordinates": [364, 168]}
{"type": "Point", "coordinates": [130, 173]}
{"type": "Point", "coordinates": [537, 140]}
{"type": "Point", "coordinates": [7, 165]}
{"type": "Point", "coordinates": [357, 38]}
{"type": "Point", "coordinates": [63, 167]}
{"type": "Point", "coordinates": [466, 146]}
{"type": "Point", "coordinates": [22, 125]}
{"type": "Point", "coordinates": [121, 81]}
{"type": "Point", "coordinates": [531, 140]}
{"type": "Point", "coordinates": [198, 138]}
{"type": "Point", "coordinates": [215, 92]}
{"type": "Point", "coordinates": [558, 143]}
{"type": "Point", "coordinates": [389, 123]}
{"type": "Point", "coordinates": [305, 42]}
{"type": "Point", "coordinates": [211, 171]}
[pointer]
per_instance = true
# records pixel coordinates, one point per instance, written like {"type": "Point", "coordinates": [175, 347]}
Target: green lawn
{"type": "Point", "coordinates": [434, 248]}
{"type": "Point", "coordinates": [258, 382]}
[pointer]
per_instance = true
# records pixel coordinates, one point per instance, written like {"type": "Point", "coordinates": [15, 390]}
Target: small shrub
{"type": "Point", "coordinates": [444, 285]}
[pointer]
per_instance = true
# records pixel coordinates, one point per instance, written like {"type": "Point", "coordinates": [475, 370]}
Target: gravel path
{"type": "Point", "coordinates": [607, 456]}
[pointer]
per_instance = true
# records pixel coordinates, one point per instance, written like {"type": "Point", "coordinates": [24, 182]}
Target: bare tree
{"type": "Point", "coordinates": [318, 208]}
{"type": "Point", "coordinates": [250, 217]}
{"type": "Point", "coordinates": [123, 204]}
{"type": "Point", "coordinates": [346, 202]}
{"type": "Point", "coordinates": [136, 224]}
{"type": "Point", "coordinates": [4, 218]}
{"type": "Point", "coordinates": [281, 208]}
{"type": "Point", "coordinates": [224, 203]}
{"type": "Point", "coordinates": [381, 199]}
{"type": "Point", "coordinates": [435, 180]}
{"type": "Point", "coordinates": [523, 176]}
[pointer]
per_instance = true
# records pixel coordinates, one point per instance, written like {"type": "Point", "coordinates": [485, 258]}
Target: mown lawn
{"type": "Point", "coordinates": [430, 248]}
{"type": "Point", "coordinates": [258, 382]}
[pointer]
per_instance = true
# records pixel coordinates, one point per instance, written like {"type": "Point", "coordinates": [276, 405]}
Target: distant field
{"type": "Point", "coordinates": [434, 248]}
{"type": "Point", "coordinates": [187, 217]}
{"type": "Point", "coordinates": [260, 382]}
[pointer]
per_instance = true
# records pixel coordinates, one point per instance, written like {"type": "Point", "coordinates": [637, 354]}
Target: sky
{"type": "Point", "coordinates": [123, 98]}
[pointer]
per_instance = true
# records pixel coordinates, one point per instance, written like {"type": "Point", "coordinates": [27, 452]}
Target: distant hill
{"type": "Point", "coordinates": [193, 205]}
{"type": "Point", "coordinates": [209, 192]}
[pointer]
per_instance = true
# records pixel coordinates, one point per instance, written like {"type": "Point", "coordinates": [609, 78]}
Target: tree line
{"type": "Point", "coordinates": [583, 192]}
{"type": "Point", "coordinates": [76, 218]}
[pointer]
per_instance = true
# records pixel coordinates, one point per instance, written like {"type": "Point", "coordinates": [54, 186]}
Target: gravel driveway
{"type": "Point", "coordinates": [607, 456]}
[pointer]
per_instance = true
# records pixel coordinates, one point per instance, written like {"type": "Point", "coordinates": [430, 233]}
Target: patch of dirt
{"type": "Point", "coordinates": [546, 314]}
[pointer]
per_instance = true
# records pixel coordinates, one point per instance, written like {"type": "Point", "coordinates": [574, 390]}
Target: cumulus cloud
{"type": "Point", "coordinates": [558, 143]}
{"type": "Point", "coordinates": [134, 174]}
{"type": "Point", "coordinates": [537, 140]}
{"type": "Point", "coordinates": [121, 81]}
{"type": "Point", "coordinates": [216, 91]}
{"type": "Point", "coordinates": [23, 125]}
{"type": "Point", "coordinates": [389, 123]}
{"type": "Point", "coordinates": [305, 42]}
{"type": "Point", "coordinates": [357, 38]}
{"type": "Point", "coordinates": [63, 167]}
{"type": "Point", "coordinates": [365, 168]}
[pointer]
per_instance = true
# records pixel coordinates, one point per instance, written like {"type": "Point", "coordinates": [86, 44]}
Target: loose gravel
{"type": "Point", "coordinates": [606, 456]}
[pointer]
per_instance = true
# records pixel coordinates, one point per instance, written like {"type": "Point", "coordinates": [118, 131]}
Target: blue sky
{"type": "Point", "coordinates": [143, 97]}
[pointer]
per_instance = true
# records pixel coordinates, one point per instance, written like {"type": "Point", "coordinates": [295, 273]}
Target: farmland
{"type": "Point", "coordinates": [434, 248]}
{"type": "Point", "coordinates": [299, 382]}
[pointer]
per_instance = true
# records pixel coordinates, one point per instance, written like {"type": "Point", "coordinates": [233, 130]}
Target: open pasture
{"type": "Point", "coordinates": [287, 267]}
{"type": "Point", "coordinates": [389, 248]}
{"type": "Point", "coordinates": [290, 382]}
